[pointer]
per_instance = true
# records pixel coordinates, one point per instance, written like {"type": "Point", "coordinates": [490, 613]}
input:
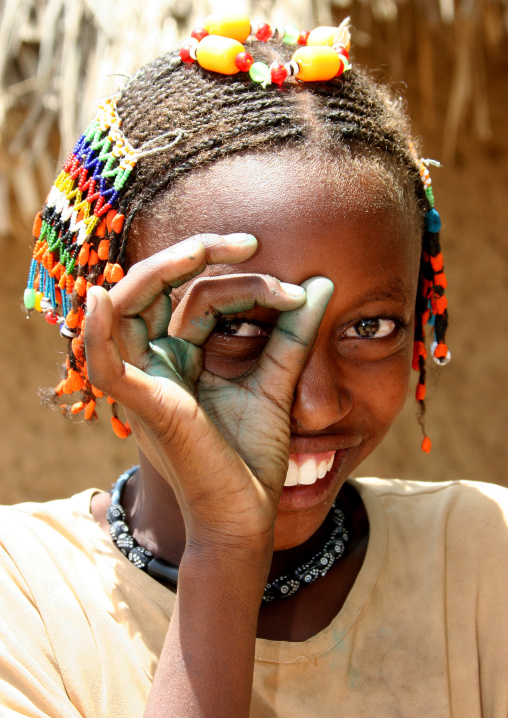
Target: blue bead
{"type": "Point", "coordinates": [433, 221]}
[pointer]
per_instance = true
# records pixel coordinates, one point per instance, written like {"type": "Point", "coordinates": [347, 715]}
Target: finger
{"type": "Point", "coordinates": [106, 369]}
{"type": "Point", "coordinates": [132, 334]}
{"type": "Point", "coordinates": [176, 265]}
{"type": "Point", "coordinates": [284, 356]}
{"type": "Point", "coordinates": [210, 297]}
{"type": "Point", "coordinates": [141, 299]}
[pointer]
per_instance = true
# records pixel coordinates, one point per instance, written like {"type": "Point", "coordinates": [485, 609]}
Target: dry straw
{"type": "Point", "coordinates": [58, 56]}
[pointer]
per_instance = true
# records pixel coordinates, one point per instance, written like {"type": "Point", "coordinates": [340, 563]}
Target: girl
{"type": "Point", "coordinates": [281, 258]}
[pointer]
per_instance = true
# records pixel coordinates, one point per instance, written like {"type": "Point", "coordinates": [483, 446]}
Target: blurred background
{"type": "Point", "coordinates": [448, 58]}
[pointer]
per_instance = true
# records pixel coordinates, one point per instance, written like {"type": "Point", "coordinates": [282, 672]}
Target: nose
{"type": "Point", "coordinates": [321, 397]}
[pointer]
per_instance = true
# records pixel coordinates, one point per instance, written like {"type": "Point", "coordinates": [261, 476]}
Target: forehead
{"type": "Point", "coordinates": [309, 214]}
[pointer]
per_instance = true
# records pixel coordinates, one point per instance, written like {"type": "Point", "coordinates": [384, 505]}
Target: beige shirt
{"type": "Point", "coordinates": [423, 633]}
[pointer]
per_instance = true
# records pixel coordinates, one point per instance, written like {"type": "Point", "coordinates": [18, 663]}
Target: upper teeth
{"type": "Point", "coordinates": [307, 472]}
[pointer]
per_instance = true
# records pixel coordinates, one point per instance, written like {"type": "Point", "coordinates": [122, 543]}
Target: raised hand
{"type": "Point", "coordinates": [221, 444]}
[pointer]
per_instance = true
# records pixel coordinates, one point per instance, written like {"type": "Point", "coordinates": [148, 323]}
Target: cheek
{"type": "Point", "coordinates": [385, 387]}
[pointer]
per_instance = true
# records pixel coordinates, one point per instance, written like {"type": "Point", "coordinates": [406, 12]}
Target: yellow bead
{"type": "Point", "coordinates": [218, 54]}
{"type": "Point", "coordinates": [322, 36]}
{"type": "Point", "coordinates": [38, 297]}
{"type": "Point", "coordinates": [231, 24]}
{"type": "Point", "coordinates": [318, 63]}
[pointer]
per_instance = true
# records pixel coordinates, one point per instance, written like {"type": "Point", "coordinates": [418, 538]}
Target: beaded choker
{"type": "Point", "coordinates": [282, 587]}
{"type": "Point", "coordinates": [217, 46]}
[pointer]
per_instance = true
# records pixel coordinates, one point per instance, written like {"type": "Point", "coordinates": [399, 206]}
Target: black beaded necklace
{"type": "Point", "coordinates": [282, 587]}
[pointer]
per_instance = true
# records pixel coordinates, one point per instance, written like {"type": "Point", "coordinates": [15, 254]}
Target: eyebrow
{"type": "Point", "coordinates": [395, 293]}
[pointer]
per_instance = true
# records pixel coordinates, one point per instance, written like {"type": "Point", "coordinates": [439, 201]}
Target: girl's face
{"type": "Point", "coordinates": [351, 226]}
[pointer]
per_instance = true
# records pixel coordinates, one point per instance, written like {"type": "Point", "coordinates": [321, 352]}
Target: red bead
{"type": "Point", "coordinates": [199, 33]}
{"type": "Point", "coordinates": [278, 73]}
{"type": "Point", "coordinates": [51, 317]}
{"type": "Point", "coordinates": [244, 61]}
{"type": "Point", "coordinates": [185, 55]}
{"type": "Point", "coordinates": [341, 68]}
{"type": "Point", "coordinates": [303, 37]}
{"type": "Point", "coordinates": [264, 32]}
{"type": "Point", "coordinates": [341, 50]}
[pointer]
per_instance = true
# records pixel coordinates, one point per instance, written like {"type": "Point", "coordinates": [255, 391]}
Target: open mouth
{"type": "Point", "coordinates": [306, 469]}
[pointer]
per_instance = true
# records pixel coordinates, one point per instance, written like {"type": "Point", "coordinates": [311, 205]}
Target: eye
{"type": "Point", "coordinates": [240, 328]}
{"type": "Point", "coordinates": [375, 328]}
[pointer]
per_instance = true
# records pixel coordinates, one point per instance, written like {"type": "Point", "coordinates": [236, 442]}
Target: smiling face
{"type": "Point", "coordinates": [312, 217]}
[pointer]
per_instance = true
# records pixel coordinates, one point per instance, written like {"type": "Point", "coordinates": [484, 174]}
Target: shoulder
{"type": "Point", "coordinates": [466, 516]}
{"type": "Point", "coordinates": [476, 495]}
{"type": "Point", "coordinates": [35, 536]}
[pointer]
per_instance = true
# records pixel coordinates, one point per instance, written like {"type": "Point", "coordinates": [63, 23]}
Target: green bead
{"type": "Point", "coordinates": [29, 298]}
{"type": "Point", "coordinates": [291, 34]}
{"type": "Point", "coordinates": [260, 72]}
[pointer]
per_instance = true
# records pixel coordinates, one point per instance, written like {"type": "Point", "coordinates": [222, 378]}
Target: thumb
{"type": "Point", "coordinates": [282, 361]}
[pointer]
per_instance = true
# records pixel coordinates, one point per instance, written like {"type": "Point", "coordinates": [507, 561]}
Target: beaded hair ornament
{"type": "Point", "coordinates": [79, 230]}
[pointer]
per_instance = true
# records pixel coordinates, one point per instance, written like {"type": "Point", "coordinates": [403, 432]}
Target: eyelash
{"type": "Point", "coordinates": [238, 327]}
{"type": "Point", "coordinates": [233, 327]}
{"type": "Point", "coordinates": [386, 331]}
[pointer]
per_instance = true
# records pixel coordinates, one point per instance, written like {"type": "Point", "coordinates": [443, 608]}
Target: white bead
{"type": "Point", "coordinates": [67, 332]}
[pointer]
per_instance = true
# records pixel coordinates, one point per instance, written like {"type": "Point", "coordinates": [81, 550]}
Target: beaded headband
{"type": "Point", "coordinates": [79, 230]}
{"type": "Point", "coordinates": [217, 46]}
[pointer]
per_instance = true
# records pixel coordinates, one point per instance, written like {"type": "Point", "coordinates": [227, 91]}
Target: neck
{"type": "Point", "coordinates": [156, 522]}
{"type": "Point", "coordinates": [153, 514]}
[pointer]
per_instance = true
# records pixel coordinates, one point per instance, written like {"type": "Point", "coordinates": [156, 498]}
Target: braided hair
{"type": "Point", "coordinates": [212, 117]}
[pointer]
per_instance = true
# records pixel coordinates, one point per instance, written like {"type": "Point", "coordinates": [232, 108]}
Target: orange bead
{"type": "Point", "coordinates": [103, 251]}
{"type": "Point", "coordinates": [59, 388]}
{"type": "Point", "coordinates": [441, 304]}
{"type": "Point", "coordinates": [109, 218]}
{"type": "Point", "coordinates": [97, 392]}
{"type": "Point", "coordinates": [437, 262]}
{"type": "Point", "coordinates": [318, 63]}
{"type": "Point", "coordinates": [36, 229]}
{"type": "Point", "coordinates": [77, 407]}
{"type": "Point", "coordinates": [441, 351]}
{"type": "Point", "coordinates": [89, 410]}
{"type": "Point", "coordinates": [217, 54]}
{"type": "Point", "coordinates": [322, 36]}
{"type": "Point", "coordinates": [101, 228]}
{"type": "Point", "coordinates": [117, 223]}
{"type": "Point", "coordinates": [74, 381]}
{"type": "Point", "coordinates": [426, 445]}
{"type": "Point", "coordinates": [116, 273]}
{"type": "Point", "coordinates": [93, 258]}
{"type": "Point", "coordinates": [121, 430]}
{"type": "Point", "coordinates": [78, 345]}
{"type": "Point", "coordinates": [110, 400]}
{"type": "Point", "coordinates": [80, 286]}
{"type": "Point", "coordinates": [74, 318]}
{"type": "Point", "coordinates": [233, 25]}
{"type": "Point", "coordinates": [83, 255]}
{"type": "Point", "coordinates": [420, 392]}
{"type": "Point", "coordinates": [440, 280]}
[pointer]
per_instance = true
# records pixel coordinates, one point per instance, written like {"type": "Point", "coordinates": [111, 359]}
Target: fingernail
{"type": "Point", "coordinates": [239, 238]}
{"type": "Point", "coordinates": [293, 289]}
{"type": "Point", "coordinates": [189, 246]}
{"type": "Point", "coordinates": [91, 302]}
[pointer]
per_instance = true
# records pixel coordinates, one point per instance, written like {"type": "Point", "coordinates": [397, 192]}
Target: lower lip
{"type": "Point", "coordinates": [301, 497]}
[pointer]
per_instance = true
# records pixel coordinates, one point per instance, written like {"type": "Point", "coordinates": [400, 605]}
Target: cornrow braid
{"type": "Point", "coordinates": [178, 118]}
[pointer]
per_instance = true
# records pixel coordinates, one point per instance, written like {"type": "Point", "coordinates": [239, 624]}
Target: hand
{"type": "Point", "coordinates": [222, 444]}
